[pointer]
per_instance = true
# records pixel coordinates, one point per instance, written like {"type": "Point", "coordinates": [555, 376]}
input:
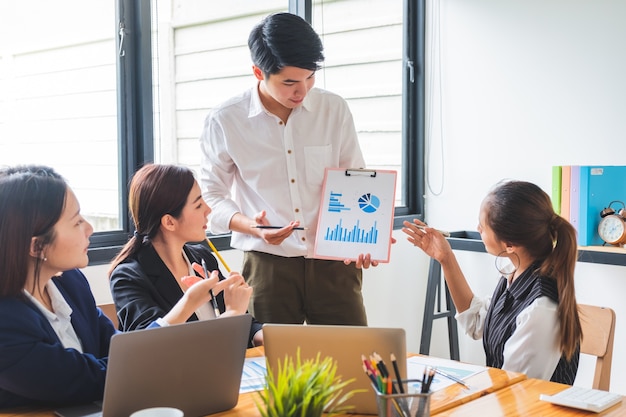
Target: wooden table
{"type": "Point", "coordinates": [522, 399]}
{"type": "Point", "coordinates": [452, 396]}
{"type": "Point", "coordinates": [481, 384]}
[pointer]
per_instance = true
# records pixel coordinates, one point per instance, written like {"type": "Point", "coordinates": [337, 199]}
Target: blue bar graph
{"type": "Point", "coordinates": [334, 205]}
{"type": "Point", "coordinates": [355, 235]}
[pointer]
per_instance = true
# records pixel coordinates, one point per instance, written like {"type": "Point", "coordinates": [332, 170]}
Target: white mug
{"type": "Point", "coordinates": [158, 412]}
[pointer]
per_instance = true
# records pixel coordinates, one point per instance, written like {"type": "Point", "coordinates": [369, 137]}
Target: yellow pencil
{"type": "Point", "coordinates": [218, 255]}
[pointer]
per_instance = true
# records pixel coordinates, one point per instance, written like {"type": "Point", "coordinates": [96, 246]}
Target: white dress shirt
{"type": "Point", "coordinates": [534, 347]}
{"type": "Point", "coordinates": [60, 320]}
{"type": "Point", "coordinates": [252, 161]}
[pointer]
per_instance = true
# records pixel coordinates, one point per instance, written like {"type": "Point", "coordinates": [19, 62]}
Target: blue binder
{"type": "Point", "coordinates": [599, 185]}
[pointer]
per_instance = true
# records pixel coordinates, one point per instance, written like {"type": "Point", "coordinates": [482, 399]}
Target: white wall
{"type": "Point", "coordinates": [525, 84]}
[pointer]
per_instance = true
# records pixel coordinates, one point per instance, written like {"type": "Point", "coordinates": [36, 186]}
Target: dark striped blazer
{"type": "Point", "coordinates": [506, 305]}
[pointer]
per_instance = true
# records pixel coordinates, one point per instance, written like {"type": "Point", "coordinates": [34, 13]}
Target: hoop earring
{"type": "Point", "coordinates": [505, 265]}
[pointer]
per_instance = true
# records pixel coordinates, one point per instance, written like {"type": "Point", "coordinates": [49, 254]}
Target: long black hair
{"type": "Point", "coordinates": [32, 199]}
{"type": "Point", "coordinates": [520, 213]}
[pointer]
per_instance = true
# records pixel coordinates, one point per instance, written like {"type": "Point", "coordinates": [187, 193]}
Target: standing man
{"type": "Point", "coordinates": [270, 146]}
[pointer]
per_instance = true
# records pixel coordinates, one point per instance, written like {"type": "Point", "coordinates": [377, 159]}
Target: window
{"type": "Point", "coordinates": [364, 65]}
{"type": "Point", "coordinates": [58, 102]}
{"type": "Point", "coordinates": [201, 58]}
{"type": "Point", "coordinates": [130, 82]}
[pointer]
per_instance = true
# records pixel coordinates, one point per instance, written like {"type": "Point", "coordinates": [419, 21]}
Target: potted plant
{"type": "Point", "coordinates": [305, 389]}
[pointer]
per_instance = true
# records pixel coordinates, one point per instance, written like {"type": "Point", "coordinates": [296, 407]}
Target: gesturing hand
{"type": "Point", "coordinates": [237, 294]}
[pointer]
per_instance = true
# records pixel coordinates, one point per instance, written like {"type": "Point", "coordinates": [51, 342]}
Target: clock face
{"type": "Point", "coordinates": [612, 229]}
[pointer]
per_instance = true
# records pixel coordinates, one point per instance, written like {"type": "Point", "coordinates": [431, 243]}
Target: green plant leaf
{"type": "Point", "coordinates": [305, 388]}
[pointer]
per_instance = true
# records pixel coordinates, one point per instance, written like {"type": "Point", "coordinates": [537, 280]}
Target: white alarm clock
{"type": "Point", "coordinates": [612, 227]}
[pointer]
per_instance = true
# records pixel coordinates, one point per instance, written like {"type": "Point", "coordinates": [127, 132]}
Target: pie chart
{"type": "Point", "coordinates": [369, 203]}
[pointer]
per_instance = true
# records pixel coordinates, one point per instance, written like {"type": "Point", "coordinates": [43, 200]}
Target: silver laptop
{"type": "Point", "coordinates": [194, 366]}
{"type": "Point", "coordinates": [345, 344]}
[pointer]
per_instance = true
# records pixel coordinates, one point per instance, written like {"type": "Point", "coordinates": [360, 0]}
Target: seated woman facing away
{"type": "Point", "coordinates": [54, 341]}
{"type": "Point", "coordinates": [168, 211]}
{"type": "Point", "coordinates": [531, 322]}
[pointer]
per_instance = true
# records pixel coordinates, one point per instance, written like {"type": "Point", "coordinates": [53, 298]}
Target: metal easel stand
{"type": "Point", "coordinates": [433, 293]}
{"type": "Point", "coordinates": [463, 240]}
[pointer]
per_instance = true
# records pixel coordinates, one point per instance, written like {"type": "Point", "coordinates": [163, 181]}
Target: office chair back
{"type": "Point", "coordinates": [598, 327]}
{"type": "Point", "coordinates": [110, 312]}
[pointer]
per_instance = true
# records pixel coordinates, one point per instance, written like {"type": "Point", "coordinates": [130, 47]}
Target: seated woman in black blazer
{"type": "Point", "coordinates": [168, 211]}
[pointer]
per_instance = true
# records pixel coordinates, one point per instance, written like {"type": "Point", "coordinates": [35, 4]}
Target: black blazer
{"type": "Point", "coordinates": [144, 289]}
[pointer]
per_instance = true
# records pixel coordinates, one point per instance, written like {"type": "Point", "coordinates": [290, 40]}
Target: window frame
{"type": "Point", "coordinates": [135, 126]}
{"type": "Point", "coordinates": [135, 109]}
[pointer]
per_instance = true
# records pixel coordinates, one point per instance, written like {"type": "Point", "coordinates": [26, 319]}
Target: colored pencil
{"type": "Point", "coordinates": [218, 255]}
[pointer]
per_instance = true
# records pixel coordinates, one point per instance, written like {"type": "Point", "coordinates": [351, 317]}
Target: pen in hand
{"type": "Point", "coordinates": [278, 227]}
{"type": "Point", "coordinates": [216, 308]}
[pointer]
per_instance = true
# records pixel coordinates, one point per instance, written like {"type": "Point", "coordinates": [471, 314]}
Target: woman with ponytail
{"type": "Point", "coordinates": [167, 248]}
{"type": "Point", "coordinates": [530, 324]}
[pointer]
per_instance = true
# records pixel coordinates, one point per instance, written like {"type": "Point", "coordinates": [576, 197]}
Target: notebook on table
{"type": "Point", "coordinates": [345, 344]}
{"type": "Point", "coordinates": [194, 366]}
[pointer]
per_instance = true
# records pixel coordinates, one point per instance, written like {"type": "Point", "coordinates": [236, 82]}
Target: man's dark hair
{"type": "Point", "coordinates": [285, 40]}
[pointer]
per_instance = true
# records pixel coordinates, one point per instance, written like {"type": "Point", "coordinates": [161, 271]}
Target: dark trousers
{"type": "Point", "coordinates": [298, 290]}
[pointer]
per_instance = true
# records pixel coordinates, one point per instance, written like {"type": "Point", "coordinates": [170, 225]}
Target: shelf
{"type": "Point", "coordinates": [608, 255]}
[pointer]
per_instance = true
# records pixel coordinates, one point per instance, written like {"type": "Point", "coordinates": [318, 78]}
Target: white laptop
{"type": "Point", "coordinates": [345, 344]}
{"type": "Point", "coordinates": [194, 366]}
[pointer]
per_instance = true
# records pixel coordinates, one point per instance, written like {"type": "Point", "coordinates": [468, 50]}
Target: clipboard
{"type": "Point", "coordinates": [356, 214]}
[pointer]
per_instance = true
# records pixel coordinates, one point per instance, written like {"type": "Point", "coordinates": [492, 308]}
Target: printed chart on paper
{"type": "Point", "coordinates": [356, 214]}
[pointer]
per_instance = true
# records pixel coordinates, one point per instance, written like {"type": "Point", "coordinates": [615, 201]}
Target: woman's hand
{"type": "Point", "coordinates": [237, 294]}
{"type": "Point", "coordinates": [197, 294]}
{"type": "Point", "coordinates": [198, 289]}
{"type": "Point", "coordinates": [431, 241]}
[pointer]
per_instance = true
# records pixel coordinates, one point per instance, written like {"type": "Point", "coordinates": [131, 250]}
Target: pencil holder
{"type": "Point", "coordinates": [403, 405]}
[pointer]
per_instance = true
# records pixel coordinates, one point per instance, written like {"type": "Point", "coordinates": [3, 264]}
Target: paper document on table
{"type": "Point", "coordinates": [417, 364]}
{"type": "Point", "coordinates": [253, 375]}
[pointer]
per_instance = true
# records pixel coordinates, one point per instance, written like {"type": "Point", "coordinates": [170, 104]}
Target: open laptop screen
{"type": "Point", "coordinates": [194, 366]}
{"type": "Point", "coordinates": [345, 344]}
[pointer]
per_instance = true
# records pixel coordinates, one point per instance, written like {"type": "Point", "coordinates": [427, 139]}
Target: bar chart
{"type": "Point", "coordinates": [354, 234]}
{"type": "Point", "coordinates": [334, 203]}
